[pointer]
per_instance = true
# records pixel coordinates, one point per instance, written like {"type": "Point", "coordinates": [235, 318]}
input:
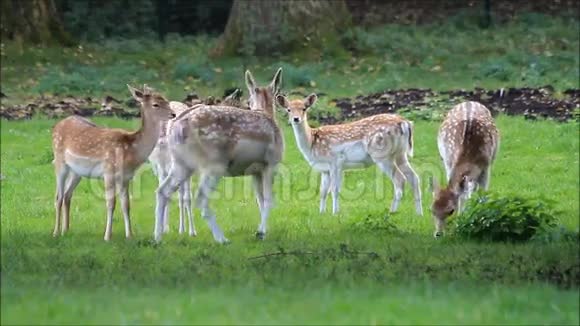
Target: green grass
{"type": "Point", "coordinates": [330, 272]}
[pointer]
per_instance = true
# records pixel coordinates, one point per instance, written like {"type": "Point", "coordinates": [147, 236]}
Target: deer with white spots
{"type": "Point", "coordinates": [83, 149]}
{"type": "Point", "coordinates": [468, 142]}
{"type": "Point", "coordinates": [385, 140]}
{"type": "Point", "coordinates": [222, 141]}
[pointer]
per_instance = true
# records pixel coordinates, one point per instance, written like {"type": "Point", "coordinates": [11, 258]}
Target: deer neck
{"type": "Point", "coordinates": [147, 136]}
{"type": "Point", "coordinates": [303, 135]}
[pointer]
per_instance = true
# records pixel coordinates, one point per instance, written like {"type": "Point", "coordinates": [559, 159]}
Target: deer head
{"type": "Point", "coordinates": [262, 98]}
{"type": "Point", "coordinates": [297, 109]}
{"type": "Point", "coordinates": [152, 103]}
{"type": "Point", "coordinates": [446, 200]}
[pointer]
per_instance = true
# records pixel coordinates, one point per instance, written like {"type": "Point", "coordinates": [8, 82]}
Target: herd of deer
{"type": "Point", "coordinates": [218, 141]}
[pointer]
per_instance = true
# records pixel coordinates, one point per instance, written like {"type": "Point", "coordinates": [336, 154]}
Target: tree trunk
{"type": "Point", "coordinates": [265, 27]}
{"type": "Point", "coordinates": [32, 21]}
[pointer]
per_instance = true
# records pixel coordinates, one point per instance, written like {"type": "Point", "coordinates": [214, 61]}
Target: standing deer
{"type": "Point", "coordinates": [385, 140]}
{"type": "Point", "coordinates": [221, 141]}
{"type": "Point", "coordinates": [82, 149]}
{"type": "Point", "coordinates": [160, 159]}
{"type": "Point", "coordinates": [468, 141]}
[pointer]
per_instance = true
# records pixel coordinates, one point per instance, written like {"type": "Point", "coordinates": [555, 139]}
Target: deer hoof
{"type": "Point", "coordinates": [260, 235]}
{"type": "Point", "coordinates": [438, 234]}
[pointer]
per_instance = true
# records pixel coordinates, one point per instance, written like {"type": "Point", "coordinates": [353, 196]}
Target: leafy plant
{"type": "Point", "coordinates": [375, 222]}
{"type": "Point", "coordinates": [510, 218]}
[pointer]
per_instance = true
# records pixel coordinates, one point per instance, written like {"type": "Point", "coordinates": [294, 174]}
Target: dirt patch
{"type": "Point", "coordinates": [56, 107]}
{"type": "Point", "coordinates": [532, 103]}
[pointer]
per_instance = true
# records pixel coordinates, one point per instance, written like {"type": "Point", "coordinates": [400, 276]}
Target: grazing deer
{"type": "Point", "coordinates": [468, 141]}
{"type": "Point", "coordinates": [160, 159]}
{"type": "Point", "coordinates": [82, 149]}
{"type": "Point", "coordinates": [385, 140]}
{"type": "Point", "coordinates": [222, 141]}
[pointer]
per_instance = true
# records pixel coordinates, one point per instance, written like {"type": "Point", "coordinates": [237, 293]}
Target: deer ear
{"type": "Point", "coordinates": [310, 100]}
{"type": "Point", "coordinates": [282, 101]}
{"type": "Point", "coordinates": [276, 81]}
{"type": "Point", "coordinates": [250, 83]}
{"type": "Point", "coordinates": [137, 94]}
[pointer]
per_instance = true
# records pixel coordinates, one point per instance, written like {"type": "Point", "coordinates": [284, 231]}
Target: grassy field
{"type": "Point", "coordinates": [327, 270]}
{"type": "Point", "coordinates": [312, 268]}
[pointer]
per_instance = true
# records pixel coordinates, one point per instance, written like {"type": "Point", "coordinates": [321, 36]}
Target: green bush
{"type": "Point", "coordinates": [491, 217]}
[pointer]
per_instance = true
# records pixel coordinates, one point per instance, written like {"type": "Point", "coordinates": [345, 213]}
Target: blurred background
{"type": "Point", "coordinates": [93, 48]}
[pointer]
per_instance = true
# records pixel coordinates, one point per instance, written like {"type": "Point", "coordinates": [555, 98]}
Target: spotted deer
{"type": "Point", "coordinates": [160, 160]}
{"type": "Point", "coordinates": [83, 149]}
{"type": "Point", "coordinates": [468, 142]}
{"type": "Point", "coordinates": [222, 141]}
{"type": "Point", "coordinates": [385, 140]}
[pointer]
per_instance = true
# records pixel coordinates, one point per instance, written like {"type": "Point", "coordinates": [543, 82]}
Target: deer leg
{"type": "Point", "coordinates": [335, 184]}
{"type": "Point", "coordinates": [185, 207]}
{"type": "Point", "coordinates": [176, 176]}
{"type": "Point", "coordinates": [162, 175]}
{"type": "Point", "coordinates": [206, 186]}
{"type": "Point", "coordinates": [324, 187]}
{"type": "Point", "coordinates": [125, 206]}
{"type": "Point", "coordinates": [413, 179]}
{"type": "Point", "coordinates": [390, 169]}
{"type": "Point", "coordinates": [72, 183]}
{"type": "Point", "coordinates": [258, 183]}
{"type": "Point", "coordinates": [185, 188]}
{"type": "Point", "coordinates": [267, 201]}
{"type": "Point", "coordinates": [61, 172]}
{"type": "Point", "coordinates": [110, 198]}
{"type": "Point", "coordinates": [483, 179]}
{"type": "Point", "coordinates": [181, 208]}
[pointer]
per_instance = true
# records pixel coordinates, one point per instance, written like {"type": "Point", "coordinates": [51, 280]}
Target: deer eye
{"type": "Point", "coordinates": [155, 105]}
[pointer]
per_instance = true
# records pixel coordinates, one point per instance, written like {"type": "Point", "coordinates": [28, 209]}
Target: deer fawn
{"type": "Point", "coordinates": [468, 141]}
{"type": "Point", "coordinates": [221, 141]}
{"type": "Point", "coordinates": [385, 140]}
{"type": "Point", "coordinates": [160, 159]}
{"type": "Point", "coordinates": [82, 149]}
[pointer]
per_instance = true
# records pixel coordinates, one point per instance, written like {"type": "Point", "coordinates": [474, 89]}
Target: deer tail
{"type": "Point", "coordinates": [407, 127]}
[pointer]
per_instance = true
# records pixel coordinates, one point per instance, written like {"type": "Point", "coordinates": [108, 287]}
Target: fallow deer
{"type": "Point", "coordinates": [83, 149]}
{"type": "Point", "coordinates": [385, 140]}
{"type": "Point", "coordinates": [222, 141]}
{"type": "Point", "coordinates": [468, 142]}
{"type": "Point", "coordinates": [160, 160]}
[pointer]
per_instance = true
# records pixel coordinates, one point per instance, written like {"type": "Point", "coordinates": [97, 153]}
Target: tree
{"type": "Point", "coordinates": [263, 27]}
{"type": "Point", "coordinates": [34, 21]}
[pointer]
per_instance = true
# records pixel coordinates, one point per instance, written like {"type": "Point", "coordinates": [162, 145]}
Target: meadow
{"type": "Point", "coordinates": [362, 266]}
